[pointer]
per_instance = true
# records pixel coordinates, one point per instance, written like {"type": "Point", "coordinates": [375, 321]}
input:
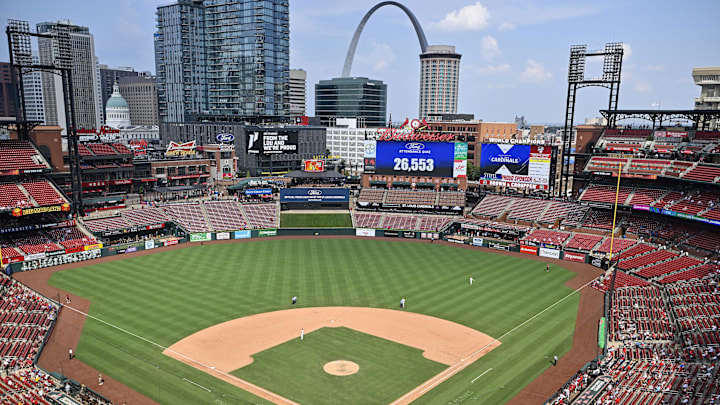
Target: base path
{"type": "Point", "coordinates": [228, 346]}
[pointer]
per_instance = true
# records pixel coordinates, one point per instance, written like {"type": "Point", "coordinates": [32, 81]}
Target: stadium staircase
{"type": "Point", "coordinates": [27, 195]}
{"type": "Point", "coordinates": [207, 219]}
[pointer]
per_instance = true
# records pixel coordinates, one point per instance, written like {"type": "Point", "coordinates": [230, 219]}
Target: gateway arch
{"type": "Point", "coordinates": [353, 44]}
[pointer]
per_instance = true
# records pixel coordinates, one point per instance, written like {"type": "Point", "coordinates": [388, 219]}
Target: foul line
{"type": "Point", "coordinates": [212, 369]}
{"type": "Point", "coordinates": [455, 368]}
{"type": "Point", "coordinates": [486, 371]}
{"type": "Point", "coordinates": [194, 383]}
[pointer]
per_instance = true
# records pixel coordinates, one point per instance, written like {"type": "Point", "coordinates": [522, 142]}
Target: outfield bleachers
{"type": "Point", "coordinates": [547, 236]}
{"type": "Point", "coordinates": [646, 259]}
{"type": "Point", "coordinates": [527, 209]}
{"type": "Point", "coordinates": [618, 245]}
{"type": "Point", "coordinates": [367, 220]}
{"type": "Point", "coordinates": [493, 206]}
{"type": "Point", "coordinates": [583, 242]}
{"type": "Point", "coordinates": [605, 194]}
{"type": "Point", "coordinates": [145, 216]}
{"type": "Point", "coordinates": [107, 224]}
{"type": "Point", "coordinates": [225, 215]}
{"type": "Point", "coordinates": [262, 216]}
{"type": "Point", "coordinates": [189, 216]}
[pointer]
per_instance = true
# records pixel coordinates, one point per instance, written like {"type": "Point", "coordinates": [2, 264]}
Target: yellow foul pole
{"type": "Point", "coordinates": [612, 232]}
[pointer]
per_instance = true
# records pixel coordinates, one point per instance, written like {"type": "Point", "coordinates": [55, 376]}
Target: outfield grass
{"type": "Point", "coordinates": [295, 369]}
{"type": "Point", "coordinates": [315, 220]}
{"type": "Point", "coordinates": [167, 296]}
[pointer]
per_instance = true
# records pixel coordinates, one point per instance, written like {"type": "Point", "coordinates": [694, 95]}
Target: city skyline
{"type": "Point", "coordinates": [515, 53]}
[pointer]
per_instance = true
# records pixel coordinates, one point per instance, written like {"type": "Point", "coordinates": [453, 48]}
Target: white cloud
{"type": "Point", "coordinates": [535, 72]}
{"type": "Point", "coordinates": [643, 87]}
{"type": "Point", "coordinates": [627, 51]}
{"type": "Point", "coordinates": [506, 27]}
{"type": "Point", "coordinates": [468, 18]}
{"type": "Point", "coordinates": [492, 69]}
{"type": "Point", "coordinates": [489, 47]}
{"type": "Point", "coordinates": [378, 58]}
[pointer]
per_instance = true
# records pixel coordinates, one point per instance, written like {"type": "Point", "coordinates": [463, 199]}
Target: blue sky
{"type": "Point", "coordinates": [515, 52]}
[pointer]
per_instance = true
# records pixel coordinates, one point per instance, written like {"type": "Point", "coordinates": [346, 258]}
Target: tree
{"type": "Point", "coordinates": [473, 172]}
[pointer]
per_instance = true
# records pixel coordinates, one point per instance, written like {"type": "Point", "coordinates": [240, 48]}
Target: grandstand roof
{"type": "Point", "coordinates": [662, 115]}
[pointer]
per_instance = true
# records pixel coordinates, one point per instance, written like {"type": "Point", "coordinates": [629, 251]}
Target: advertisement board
{"type": "Point", "coordinates": [364, 232]}
{"type": "Point", "coordinates": [435, 159]}
{"type": "Point", "coordinates": [272, 142]}
{"type": "Point", "coordinates": [258, 191]}
{"type": "Point", "coordinates": [267, 232]}
{"type": "Point", "coordinates": [314, 165]}
{"type": "Point", "coordinates": [222, 235]}
{"type": "Point", "coordinates": [551, 253]}
{"type": "Point", "coordinates": [574, 257]}
{"type": "Point", "coordinates": [149, 244]}
{"type": "Point", "coordinates": [200, 237]}
{"type": "Point", "coordinates": [512, 165]}
{"type": "Point", "coordinates": [676, 214]}
{"type": "Point", "coordinates": [498, 245]}
{"type": "Point", "coordinates": [59, 259]}
{"type": "Point", "coordinates": [171, 242]}
{"type": "Point", "coordinates": [531, 250]}
{"type": "Point", "coordinates": [242, 234]}
{"type": "Point", "coordinates": [320, 194]}
{"type": "Point", "coordinates": [477, 241]}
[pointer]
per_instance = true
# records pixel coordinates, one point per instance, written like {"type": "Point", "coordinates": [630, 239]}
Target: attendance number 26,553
{"type": "Point", "coordinates": [414, 164]}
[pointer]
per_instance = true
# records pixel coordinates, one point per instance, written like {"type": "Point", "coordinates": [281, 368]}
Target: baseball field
{"type": "Point", "coordinates": [235, 299]}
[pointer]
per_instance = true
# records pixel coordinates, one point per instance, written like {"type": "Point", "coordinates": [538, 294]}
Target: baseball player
{"type": "Point", "coordinates": [402, 302]}
{"type": "Point", "coordinates": [302, 333]}
{"type": "Point", "coordinates": [471, 280]}
{"type": "Point", "coordinates": [294, 299]}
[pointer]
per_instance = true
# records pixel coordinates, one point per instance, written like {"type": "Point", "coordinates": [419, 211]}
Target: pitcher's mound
{"type": "Point", "coordinates": [341, 367]}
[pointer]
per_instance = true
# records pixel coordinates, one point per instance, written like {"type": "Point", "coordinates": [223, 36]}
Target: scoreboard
{"type": "Point", "coordinates": [411, 158]}
{"type": "Point", "coordinates": [519, 166]}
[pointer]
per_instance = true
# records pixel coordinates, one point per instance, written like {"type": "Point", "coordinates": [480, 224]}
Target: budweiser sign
{"type": "Point", "coordinates": [176, 149]}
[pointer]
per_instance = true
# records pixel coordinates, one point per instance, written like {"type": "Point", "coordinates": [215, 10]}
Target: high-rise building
{"type": "Point", "coordinates": [297, 94]}
{"type": "Point", "coordinates": [180, 60]}
{"type": "Point", "coordinates": [8, 92]}
{"type": "Point", "coordinates": [708, 78]}
{"type": "Point", "coordinates": [222, 57]}
{"type": "Point", "coordinates": [140, 92]}
{"type": "Point", "coordinates": [352, 97]}
{"type": "Point", "coordinates": [108, 77]}
{"type": "Point", "coordinates": [85, 83]}
{"type": "Point", "coordinates": [439, 74]}
{"type": "Point", "coordinates": [32, 86]}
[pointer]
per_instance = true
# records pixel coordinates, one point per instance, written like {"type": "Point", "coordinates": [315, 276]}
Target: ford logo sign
{"type": "Point", "coordinates": [314, 192]}
{"type": "Point", "coordinates": [414, 146]}
{"type": "Point", "coordinates": [225, 137]}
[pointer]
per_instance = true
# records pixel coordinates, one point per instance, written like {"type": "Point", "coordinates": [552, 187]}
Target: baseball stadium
{"type": "Point", "coordinates": [451, 267]}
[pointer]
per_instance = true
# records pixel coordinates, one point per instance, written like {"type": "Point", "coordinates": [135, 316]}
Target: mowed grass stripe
{"type": "Point", "coordinates": [169, 295]}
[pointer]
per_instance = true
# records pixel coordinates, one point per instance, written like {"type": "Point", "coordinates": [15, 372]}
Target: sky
{"type": "Point", "coordinates": [515, 52]}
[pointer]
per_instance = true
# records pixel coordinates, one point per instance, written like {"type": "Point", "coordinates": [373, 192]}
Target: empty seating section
{"type": "Point", "coordinates": [628, 280]}
{"type": "Point", "coordinates": [43, 193]}
{"type": "Point", "coordinates": [400, 222]}
{"type": "Point", "coordinates": [451, 198]}
{"type": "Point", "coordinates": [371, 195]}
{"type": "Point", "coordinates": [70, 237]}
{"type": "Point", "coordinates": [189, 216]}
{"type": "Point", "coordinates": [11, 197]}
{"type": "Point", "coordinates": [145, 216]}
{"type": "Point", "coordinates": [583, 242]}
{"type": "Point", "coordinates": [697, 309]}
{"type": "Point", "coordinates": [25, 319]}
{"type": "Point", "coordinates": [555, 210]}
{"type": "Point", "coordinates": [697, 272]}
{"type": "Point", "coordinates": [493, 205]}
{"type": "Point", "coordinates": [10, 252]}
{"type": "Point", "coordinates": [605, 164]}
{"type": "Point", "coordinates": [432, 223]}
{"type": "Point", "coordinates": [225, 215]}
{"type": "Point", "coordinates": [702, 172]}
{"type": "Point", "coordinates": [627, 133]}
{"type": "Point", "coordinates": [676, 231]}
{"type": "Point", "coordinates": [623, 147]}
{"type": "Point", "coordinates": [642, 225]}
{"type": "Point", "coordinates": [618, 245]}
{"type": "Point", "coordinates": [107, 224]}
{"type": "Point", "coordinates": [84, 151]}
{"type": "Point", "coordinates": [677, 168]}
{"type": "Point", "coordinates": [122, 149]}
{"type": "Point", "coordinates": [261, 216]}
{"type": "Point", "coordinates": [411, 197]}
{"type": "Point", "coordinates": [708, 240]}
{"type": "Point", "coordinates": [575, 215]}
{"type": "Point", "coordinates": [668, 267]}
{"type": "Point", "coordinates": [367, 220]}
{"type": "Point", "coordinates": [667, 199]}
{"type": "Point", "coordinates": [19, 155]}
{"type": "Point", "coordinates": [713, 213]}
{"type": "Point", "coordinates": [639, 249]}
{"type": "Point", "coordinates": [646, 196]}
{"type": "Point", "coordinates": [638, 314]}
{"type": "Point", "coordinates": [527, 209]}
{"type": "Point", "coordinates": [547, 236]}
{"type": "Point", "coordinates": [101, 149]}
{"type": "Point", "coordinates": [605, 194]}
{"type": "Point", "coordinates": [600, 220]}
{"type": "Point", "coordinates": [646, 259]}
